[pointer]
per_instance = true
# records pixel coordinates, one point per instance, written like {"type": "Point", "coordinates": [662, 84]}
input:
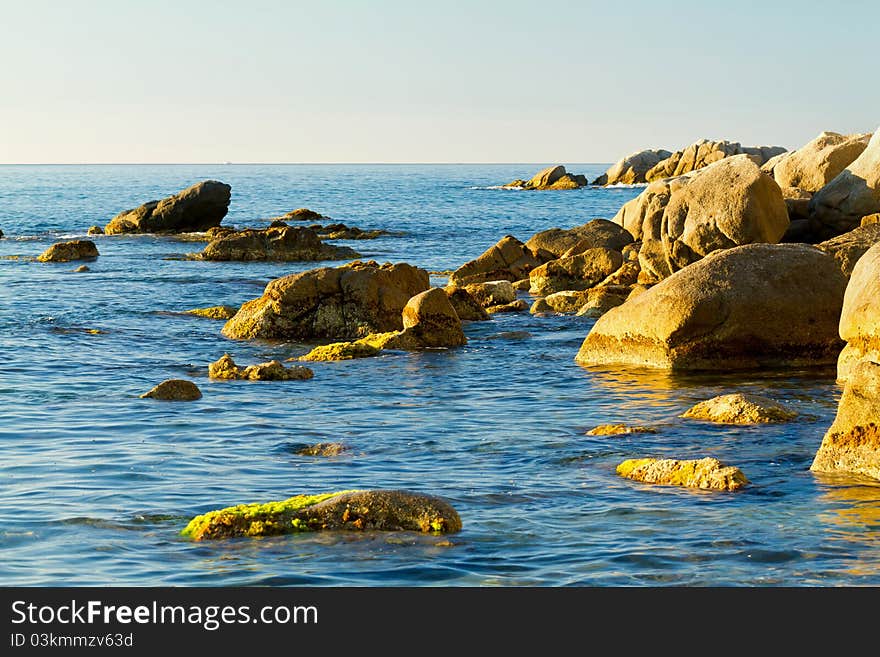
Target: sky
{"type": "Point", "coordinates": [159, 81]}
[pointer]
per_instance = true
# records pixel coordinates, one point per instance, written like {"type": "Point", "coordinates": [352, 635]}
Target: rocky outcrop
{"type": "Point", "coordinates": [555, 177]}
{"type": "Point", "coordinates": [360, 510]}
{"type": "Point", "coordinates": [752, 306]}
{"type": "Point", "coordinates": [632, 169]}
{"type": "Point", "coordinates": [345, 303]}
{"type": "Point", "coordinates": [852, 444]}
{"type": "Point", "coordinates": [727, 204]}
{"type": "Point", "coordinates": [814, 165]}
{"type": "Point", "coordinates": [466, 306]}
{"type": "Point", "coordinates": [174, 390]}
{"type": "Point", "coordinates": [214, 312]}
{"type": "Point", "coordinates": [705, 152]}
{"type": "Point", "coordinates": [707, 473]}
{"type": "Point", "coordinates": [195, 209]}
{"type": "Point", "coordinates": [598, 233]}
{"type": "Point", "coordinates": [225, 368]}
{"type": "Point", "coordinates": [840, 205]}
{"type": "Point", "coordinates": [282, 244]}
{"type": "Point", "coordinates": [578, 272]}
{"type": "Point", "coordinates": [492, 293]}
{"type": "Point", "coordinates": [860, 316]}
{"type": "Point", "coordinates": [508, 260]}
{"type": "Point", "coordinates": [67, 251]}
{"type": "Point", "coordinates": [848, 248]}
{"type": "Point", "coordinates": [740, 408]}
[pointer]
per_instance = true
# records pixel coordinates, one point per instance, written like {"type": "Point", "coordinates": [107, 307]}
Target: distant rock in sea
{"type": "Point", "coordinates": [174, 390]}
{"type": "Point", "coordinates": [195, 209]}
{"type": "Point", "coordinates": [281, 244]}
{"type": "Point", "coordinates": [555, 177]}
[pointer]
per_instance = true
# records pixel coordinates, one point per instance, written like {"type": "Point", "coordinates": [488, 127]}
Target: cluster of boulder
{"type": "Point", "coordinates": [277, 243]}
{"type": "Point", "coordinates": [554, 177]}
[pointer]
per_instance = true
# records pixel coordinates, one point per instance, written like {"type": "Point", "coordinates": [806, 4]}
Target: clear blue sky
{"type": "Point", "coordinates": [394, 81]}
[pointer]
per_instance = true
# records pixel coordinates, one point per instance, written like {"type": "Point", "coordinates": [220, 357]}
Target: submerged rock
{"type": "Point", "coordinates": [380, 510]}
{"type": "Point", "coordinates": [740, 408]}
{"type": "Point", "coordinates": [632, 169]}
{"type": "Point", "coordinates": [555, 177]}
{"type": "Point", "coordinates": [618, 429]}
{"type": "Point", "coordinates": [860, 316]}
{"type": "Point", "coordinates": [341, 351]}
{"type": "Point", "coordinates": [195, 209]}
{"type": "Point", "coordinates": [345, 303]}
{"type": "Point", "coordinates": [706, 473]}
{"type": "Point", "coordinates": [214, 312]}
{"type": "Point", "coordinates": [509, 260]}
{"type": "Point", "coordinates": [225, 368]}
{"type": "Point", "coordinates": [282, 244]}
{"type": "Point", "coordinates": [81, 269]}
{"type": "Point", "coordinates": [71, 250]}
{"type": "Point", "coordinates": [852, 444]}
{"type": "Point", "coordinates": [174, 390]}
{"type": "Point", "coordinates": [730, 310]}
{"type": "Point", "coordinates": [322, 449]}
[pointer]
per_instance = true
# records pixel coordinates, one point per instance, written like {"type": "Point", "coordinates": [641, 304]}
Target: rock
{"type": "Point", "coordinates": [631, 170]}
{"type": "Point", "coordinates": [345, 303]}
{"type": "Point", "coordinates": [630, 252]}
{"type": "Point", "coordinates": [730, 310]}
{"type": "Point", "coordinates": [225, 368]}
{"type": "Point", "coordinates": [174, 390]}
{"type": "Point", "coordinates": [341, 351]}
{"type": "Point", "coordinates": [814, 165]}
{"type": "Point", "coordinates": [284, 244]}
{"type": "Point", "coordinates": [322, 449]}
{"type": "Point", "coordinates": [95, 230]}
{"type": "Point", "coordinates": [522, 285]}
{"type": "Point", "coordinates": [770, 165]}
{"type": "Point", "coordinates": [867, 220]}
{"type": "Point", "coordinates": [466, 306]}
{"type": "Point", "coordinates": [492, 293]}
{"type": "Point", "coordinates": [636, 290]}
{"type": "Point", "coordinates": [727, 204]}
{"type": "Point", "coordinates": [575, 272]}
{"type": "Point", "coordinates": [647, 208]}
{"type": "Point", "coordinates": [377, 510]}
{"type": "Point", "coordinates": [849, 247]}
{"type": "Point", "coordinates": [860, 316]}
{"type": "Point", "coordinates": [707, 473]}
{"type": "Point", "coordinates": [594, 234]}
{"type": "Point", "coordinates": [618, 429]}
{"type": "Point", "coordinates": [852, 444]}
{"type": "Point", "coordinates": [81, 269]}
{"type": "Point", "coordinates": [567, 301]}
{"type": "Point", "coordinates": [840, 205]}
{"type": "Point", "coordinates": [278, 223]}
{"type": "Point", "coordinates": [1, 234]}
{"type": "Point", "coordinates": [509, 260]}
{"type": "Point", "coordinates": [705, 152]}
{"type": "Point", "coordinates": [430, 318]}
{"type": "Point", "coordinates": [516, 307]}
{"type": "Point", "coordinates": [67, 251]}
{"type": "Point", "coordinates": [740, 409]}
{"type": "Point", "coordinates": [554, 177]}
{"type": "Point", "coordinates": [626, 276]}
{"type": "Point", "coordinates": [303, 214]}
{"type": "Point", "coordinates": [603, 298]}
{"type": "Point", "coordinates": [343, 232]}
{"type": "Point", "coordinates": [214, 312]}
{"type": "Point", "coordinates": [195, 209]}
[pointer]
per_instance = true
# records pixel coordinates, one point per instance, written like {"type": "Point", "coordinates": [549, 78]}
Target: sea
{"type": "Point", "coordinates": [97, 483]}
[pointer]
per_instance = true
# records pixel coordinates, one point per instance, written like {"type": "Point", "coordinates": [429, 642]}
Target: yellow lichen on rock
{"type": "Point", "coordinates": [707, 473]}
{"type": "Point", "coordinates": [214, 312]}
{"type": "Point", "coordinates": [341, 351]}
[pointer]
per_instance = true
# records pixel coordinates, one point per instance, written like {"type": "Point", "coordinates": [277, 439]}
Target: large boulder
{"type": "Point", "coordinates": [705, 152]}
{"type": "Point", "coordinates": [852, 444]}
{"type": "Point", "coordinates": [593, 234]}
{"type": "Point", "coordinates": [752, 306]}
{"type": "Point", "coordinates": [860, 317]}
{"type": "Point", "coordinates": [647, 208]}
{"type": "Point", "coordinates": [432, 321]}
{"type": "Point", "coordinates": [331, 303]}
{"type": "Point", "coordinates": [578, 272]}
{"type": "Point", "coordinates": [840, 205]}
{"type": "Point", "coordinates": [631, 170]}
{"type": "Point", "coordinates": [195, 209]}
{"type": "Point", "coordinates": [67, 251]}
{"type": "Point", "coordinates": [848, 248]}
{"type": "Point", "coordinates": [508, 260]}
{"type": "Point", "coordinates": [285, 244]}
{"type": "Point", "coordinates": [814, 165]}
{"type": "Point", "coordinates": [555, 177]}
{"type": "Point", "coordinates": [359, 510]}
{"type": "Point", "coordinates": [727, 204]}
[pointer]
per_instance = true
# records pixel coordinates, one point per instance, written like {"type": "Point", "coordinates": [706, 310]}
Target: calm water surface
{"type": "Point", "coordinates": [95, 483]}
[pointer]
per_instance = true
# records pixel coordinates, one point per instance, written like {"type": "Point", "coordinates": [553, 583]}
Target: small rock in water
{"type": "Point", "coordinates": [740, 409]}
{"type": "Point", "coordinates": [67, 251]}
{"type": "Point", "coordinates": [81, 269]}
{"type": "Point", "coordinates": [95, 230]}
{"type": "Point", "coordinates": [341, 351]}
{"type": "Point", "coordinates": [225, 368]}
{"type": "Point", "coordinates": [618, 429]}
{"type": "Point", "coordinates": [174, 390]}
{"type": "Point", "coordinates": [322, 449]}
{"type": "Point", "coordinates": [214, 312]}
{"type": "Point", "coordinates": [707, 473]}
{"type": "Point", "coordinates": [516, 307]}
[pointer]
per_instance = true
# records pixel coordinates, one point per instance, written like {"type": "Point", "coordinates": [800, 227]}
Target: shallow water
{"type": "Point", "coordinates": [95, 483]}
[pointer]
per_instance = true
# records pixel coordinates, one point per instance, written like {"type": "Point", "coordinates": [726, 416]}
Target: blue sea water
{"type": "Point", "coordinates": [96, 483]}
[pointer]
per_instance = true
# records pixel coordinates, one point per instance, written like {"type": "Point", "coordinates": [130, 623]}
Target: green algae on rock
{"type": "Point", "coordinates": [707, 473]}
{"type": "Point", "coordinates": [738, 408]}
{"type": "Point", "coordinates": [214, 312]}
{"type": "Point", "coordinates": [360, 510]}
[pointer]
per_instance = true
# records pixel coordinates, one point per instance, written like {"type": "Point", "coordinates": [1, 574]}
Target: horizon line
{"type": "Point", "coordinates": [42, 164]}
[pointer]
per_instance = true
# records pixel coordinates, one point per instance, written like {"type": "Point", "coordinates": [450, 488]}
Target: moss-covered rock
{"type": "Point", "coordinates": [174, 390]}
{"type": "Point", "coordinates": [225, 368]}
{"type": "Point", "coordinates": [707, 473]}
{"type": "Point", "coordinates": [214, 312]}
{"type": "Point", "coordinates": [383, 510]}
{"type": "Point", "coordinates": [341, 351]}
{"type": "Point", "coordinates": [738, 408]}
